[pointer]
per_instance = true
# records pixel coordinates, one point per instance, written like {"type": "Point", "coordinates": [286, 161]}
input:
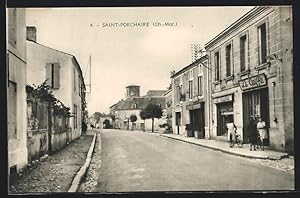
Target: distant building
{"type": "Point", "coordinates": [16, 90]}
{"type": "Point", "coordinates": [169, 107]}
{"type": "Point", "coordinates": [252, 75]}
{"type": "Point", "coordinates": [62, 73]}
{"type": "Point", "coordinates": [133, 104]}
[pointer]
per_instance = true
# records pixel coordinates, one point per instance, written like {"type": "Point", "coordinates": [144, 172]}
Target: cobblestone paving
{"type": "Point", "coordinates": [285, 164]}
{"type": "Point", "coordinates": [56, 173]}
{"type": "Point", "coordinates": [90, 181]}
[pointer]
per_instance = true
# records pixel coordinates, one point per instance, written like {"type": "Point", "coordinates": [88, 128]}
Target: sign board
{"type": "Point", "coordinates": [194, 106]}
{"type": "Point", "coordinates": [253, 82]}
{"type": "Point", "coordinates": [227, 98]}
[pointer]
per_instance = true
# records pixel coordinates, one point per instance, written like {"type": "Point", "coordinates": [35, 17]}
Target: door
{"type": "Point", "coordinates": [178, 121]}
{"type": "Point", "coordinates": [255, 104]}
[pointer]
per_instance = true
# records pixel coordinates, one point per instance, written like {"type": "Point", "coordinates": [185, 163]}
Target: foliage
{"type": "Point", "coordinates": [152, 111]}
{"type": "Point", "coordinates": [97, 116]}
{"type": "Point", "coordinates": [112, 116]}
{"type": "Point", "coordinates": [43, 92]}
{"type": "Point", "coordinates": [133, 118]}
{"type": "Point", "coordinates": [143, 114]}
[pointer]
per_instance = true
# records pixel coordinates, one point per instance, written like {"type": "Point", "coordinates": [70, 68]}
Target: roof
{"type": "Point", "coordinates": [155, 93]}
{"type": "Point", "coordinates": [141, 103]}
{"type": "Point", "coordinates": [238, 23]}
{"type": "Point", "coordinates": [72, 56]}
{"type": "Point", "coordinates": [202, 59]}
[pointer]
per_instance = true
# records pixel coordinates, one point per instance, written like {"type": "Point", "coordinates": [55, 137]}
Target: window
{"type": "Point", "coordinates": [190, 89]}
{"type": "Point", "coordinates": [217, 66]}
{"type": "Point", "coordinates": [178, 94]}
{"type": "Point", "coordinates": [200, 85]}
{"type": "Point", "coordinates": [12, 110]}
{"type": "Point", "coordinates": [52, 75]}
{"type": "Point", "coordinates": [243, 54]}
{"type": "Point", "coordinates": [74, 79]}
{"type": "Point", "coordinates": [12, 26]}
{"type": "Point", "coordinates": [133, 105]}
{"type": "Point", "coordinates": [262, 44]}
{"type": "Point", "coordinates": [228, 60]}
{"type": "Point", "coordinates": [79, 86]}
{"type": "Point", "coordinates": [191, 74]}
{"type": "Point", "coordinates": [75, 116]}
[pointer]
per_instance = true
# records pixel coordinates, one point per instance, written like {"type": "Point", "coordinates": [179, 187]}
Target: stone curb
{"type": "Point", "coordinates": [76, 181]}
{"type": "Point", "coordinates": [226, 151]}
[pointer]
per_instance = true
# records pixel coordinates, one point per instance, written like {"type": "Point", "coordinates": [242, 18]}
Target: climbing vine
{"type": "Point", "coordinates": [43, 92]}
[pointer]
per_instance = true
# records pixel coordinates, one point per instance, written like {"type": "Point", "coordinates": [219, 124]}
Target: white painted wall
{"type": "Point", "coordinates": [17, 148]}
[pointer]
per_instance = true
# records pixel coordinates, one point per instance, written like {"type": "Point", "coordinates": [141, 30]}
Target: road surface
{"type": "Point", "coordinates": [143, 161]}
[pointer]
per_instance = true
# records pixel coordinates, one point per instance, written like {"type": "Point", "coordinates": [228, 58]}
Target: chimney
{"type": "Point", "coordinates": [31, 33]}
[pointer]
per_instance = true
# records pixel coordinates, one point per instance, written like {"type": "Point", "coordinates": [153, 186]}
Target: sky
{"type": "Point", "coordinates": [129, 54]}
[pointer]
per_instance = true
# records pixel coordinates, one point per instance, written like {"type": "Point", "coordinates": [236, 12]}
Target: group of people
{"type": "Point", "coordinates": [257, 133]}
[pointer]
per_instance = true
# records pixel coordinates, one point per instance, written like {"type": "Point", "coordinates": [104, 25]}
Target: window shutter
{"type": "Point", "coordinates": [48, 74]}
{"type": "Point", "coordinates": [56, 79]}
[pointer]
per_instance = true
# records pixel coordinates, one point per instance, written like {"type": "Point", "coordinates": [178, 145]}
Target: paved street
{"type": "Point", "coordinates": [139, 161]}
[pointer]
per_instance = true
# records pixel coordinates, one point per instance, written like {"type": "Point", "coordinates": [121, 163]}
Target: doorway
{"type": "Point", "coordinates": [224, 116]}
{"type": "Point", "coordinates": [178, 121]}
{"type": "Point", "coordinates": [255, 105]}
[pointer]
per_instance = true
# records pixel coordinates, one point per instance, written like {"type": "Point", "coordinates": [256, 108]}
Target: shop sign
{"type": "Point", "coordinates": [253, 82]}
{"type": "Point", "coordinates": [194, 106]}
{"type": "Point", "coordinates": [227, 98]}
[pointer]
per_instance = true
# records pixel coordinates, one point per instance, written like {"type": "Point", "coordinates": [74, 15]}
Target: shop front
{"type": "Point", "coordinates": [255, 96]}
{"type": "Point", "coordinates": [224, 106]}
{"type": "Point", "coordinates": [197, 122]}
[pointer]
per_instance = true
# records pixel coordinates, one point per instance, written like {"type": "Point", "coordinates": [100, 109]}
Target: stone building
{"type": "Point", "coordinates": [63, 74]}
{"type": "Point", "coordinates": [133, 104]}
{"type": "Point", "coordinates": [16, 89]}
{"type": "Point", "coordinates": [252, 75]}
{"type": "Point", "coordinates": [190, 102]}
{"type": "Point", "coordinates": [169, 107]}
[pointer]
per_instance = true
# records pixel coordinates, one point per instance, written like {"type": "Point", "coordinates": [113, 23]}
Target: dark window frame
{"type": "Point", "coordinates": [262, 34]}
{"type": "Point", "coordinates": [228, 58]}
{"type": "Point", "coordinates": [217, 63]}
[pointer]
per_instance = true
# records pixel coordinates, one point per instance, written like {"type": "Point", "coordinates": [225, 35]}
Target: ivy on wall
{"type": "Point", "coordinates": [43, 92]}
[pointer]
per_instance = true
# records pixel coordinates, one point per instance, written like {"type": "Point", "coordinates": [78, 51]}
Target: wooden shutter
{"type": "Point", "coordinates": [56, 76]}
{"type": "Point", "coordinates": [48, 74]}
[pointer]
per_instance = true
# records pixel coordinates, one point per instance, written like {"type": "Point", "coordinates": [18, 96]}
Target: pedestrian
{"type": "Point", "coordinates": [251, 128]}
{"type": "Point", "coordinates": [231, 131]}
{"type": "Point", "coordinates": [261, 128]}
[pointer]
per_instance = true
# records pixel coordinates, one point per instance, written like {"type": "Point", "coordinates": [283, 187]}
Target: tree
{"type": "Point", "coordinates": [143, 116]}
{"type": "Point", "coordinates": [153, 111]}
{"type": "Point", "coordinates": [133, 119]}
{"type": "Point", "coordinates": [97, 116]}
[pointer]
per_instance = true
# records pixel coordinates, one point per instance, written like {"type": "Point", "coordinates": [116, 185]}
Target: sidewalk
{"type": "Point", "coordinates": [224, 147]}
{"type": "Point", "coordinates": [55, 173]}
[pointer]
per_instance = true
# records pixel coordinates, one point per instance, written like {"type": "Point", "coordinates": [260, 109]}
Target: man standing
{"type": "Point", "coordinates": [252, 134]}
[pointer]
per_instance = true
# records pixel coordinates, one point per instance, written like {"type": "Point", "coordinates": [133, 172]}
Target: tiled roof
{"type": "Point", "coordinates": [141, 103]}
{"type": "Point", "coordinates": [155, 93]}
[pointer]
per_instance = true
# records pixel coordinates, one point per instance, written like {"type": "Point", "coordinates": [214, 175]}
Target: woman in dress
{"type": "Point", "coordinates": [261, 127]}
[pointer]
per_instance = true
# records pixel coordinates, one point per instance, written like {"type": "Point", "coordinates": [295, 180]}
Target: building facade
{"type": "Point", "coordinates": [190, 104]}
{"type": "Point", "coordinates": [251, 75]}
{"type": "Point", "coordinates": [62, 73]}
{"type": "Point", "coordinates": [133, 104]}
{"type": "Point", "coordinates": [169, 108]}
{"type": "Point", "coordinates": [16, 89]}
